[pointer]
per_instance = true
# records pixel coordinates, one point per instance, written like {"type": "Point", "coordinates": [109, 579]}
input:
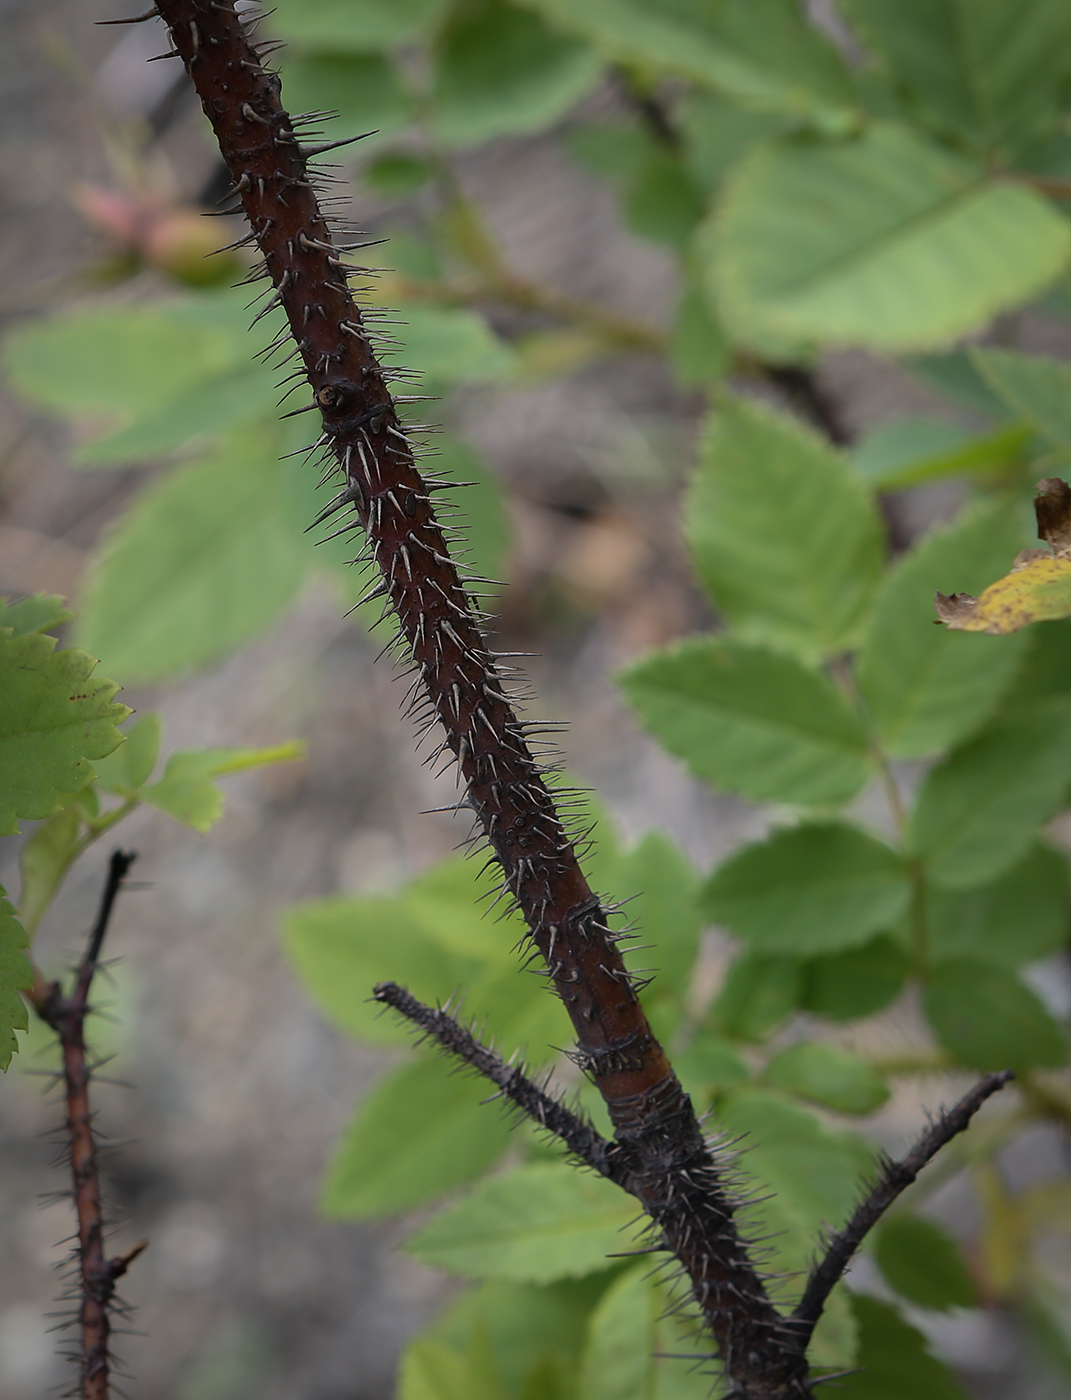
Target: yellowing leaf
{"type": "Point", "coordinates": [1038, 586]}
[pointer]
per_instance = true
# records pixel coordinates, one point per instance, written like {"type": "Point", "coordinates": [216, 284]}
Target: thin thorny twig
{"type": "Point", "coordinates": [97, 1274]}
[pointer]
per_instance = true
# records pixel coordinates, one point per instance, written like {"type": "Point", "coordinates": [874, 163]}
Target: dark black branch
{"type": "Point", "coordinates": [896, 1178]}
{"type": "Point", "coordinates": [575, 1132]}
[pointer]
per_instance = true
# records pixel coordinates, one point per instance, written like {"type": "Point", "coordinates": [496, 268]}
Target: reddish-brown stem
{"type": "Point", "coordinates": [98, 1274]}
{"type": "Point", "coordinates": [463, 689]}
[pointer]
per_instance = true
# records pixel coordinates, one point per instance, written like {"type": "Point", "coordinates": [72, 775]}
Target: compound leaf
{"type": "Point", "coordinates": [16, 976]}
{"type": "Point", "coordinates": [809, 889]}
{"type": "Point", "coordinates": [751, 721]}
{"type": "Point", "coordinates": [882, 241]}
{"type": "Point", "coordinates": [782, 533]}
{"type": "Point", "coordinates": [422, 1131]}
{"type": "Point", "coordinates": [54, 719]}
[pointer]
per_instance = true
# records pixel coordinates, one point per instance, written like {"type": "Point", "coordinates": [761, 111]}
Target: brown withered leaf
{"type": "Point", "coordinates": [1037, 588]}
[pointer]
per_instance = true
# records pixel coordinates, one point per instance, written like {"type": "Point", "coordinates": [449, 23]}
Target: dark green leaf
{"type": "Point", "coordinates": [893, 1360]}
{"type": "Point", "coordinates": [535, 1225]}
{"type": "Point", "coordinates": [979, 810]}
{"type": "Point", "coordinates": [783, 534]}
{"type": "Point", "coordinates": [1033, 386]}
{"type": "Point", "coordinates": [662, 201]}
{"type": "Point", "coordinates": [809, 889]}
{"type": "Point", "coordinates": [882, 241]}
{"type": "Point", "coordinates": [16, 975]}
{"type": "Point", "coordinates": [912, 450]}
{"type": "Point", "coordinates": [43, 862]}
{"type": "Point", "coordinates": [751, 721]}
{"type": "Point", "coordinates": [1023, 916]}
{"type": "Point", "coordinates": [954, 375]}
{"type": "Point", "coordinates": [187, 791]}
{"type": "Point", "coordinates": [923, 1263]}
{"type": "Point", "coordinates": [422, 1131]}
{"type": "Point", "coordinates": [829, 1075]}
{"type": "Point", "coordinates": [397, 174]}
{"type": "Point", "coordinates": [989, 74]}
{"type": "Point", "coordinates": [759, 993]}
{"type": "Point", "coordinates": [54, 718]}
{"type": "Point", "coordinates": [855, 983]}
{"type": "Point", "coordinates": [927, 686]}
{"type": "Point", "coordinates": [698, 348]}
{"type": "Point", "coordinates": [1046, 666]}
{"type": "Point", "coordinates": [717, 133]}
{"type": "Point", "coordinates": [988, 1019]}
{"type": "Point", "coordinates": [618, 1361]}
{"type": "Point", "coordinates": [203, 561]}
{"type": "Point", "coordinates": [499, 70]}
{"type": "Point", "coordinates": [41, 612]}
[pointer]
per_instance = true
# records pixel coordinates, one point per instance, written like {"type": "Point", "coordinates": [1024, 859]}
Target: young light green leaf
{"type": "Point", "coordinates": [893, 1362]}
{"type": "Point", "coordinates": [923, 1263]}
{"type": "Point", "coordinates": [809, 889]}
{"type": "Point", "coordinates": [925, 686]}
{"type": "Point", "coordinates": [979, 811]}
{"type": "Point", "coordinates": [186, 790]}
{"type": "Point", "coordinates": [988, 74]}
{"type": "Point", "coordinates": [500, 71]}
{"type": "Point", "coordinates": [827, 1074]}
{"type": "Point", "coordinates": [1033, 386]}
{"type": "Point", "coordinates": [763, 54]}
{"type": "Point", "coordinates": [908, 451]}
{"type": "Point", "coordinates": [782, 533]}
{"type": "Point", "coordinates": [751, 721]}
{"type": "Point", "coordinates": [203, 561]}
{"type": "Point", "coordinates": [41, 612]}
{"type": "Point", "coordinates": [16, 976]}
{"type": "Point", "coordinates": [130, 766]}
{"type": "Point", "coordinates": [1017, 919]}
{"type": "Point", "coordinates": [44, 861]}
{"type": "Point", "coordinates": [759, 992]}
{"type": "Point", "coordinates": [422, 1131]}
{"type": "Point", "coordinates": [882, 241]}
{"type": "Point", "coordinates": [859, 981]}
{"type": "Point", "coordinates": [55, 717]}
{"type": "Point", "coordinates": [986, 1018]}
{"type": "Point", "coordinates": [537, 1224]}
{"type": "Point", "coordinates": [355, 26]}
{"type": "Point", "coordinates": [365, 89]}
{"type": "Point", "coordinates": [618, 1361]}
{"type": "Point", "coordinates": [431, 1371]}
{"type": "Point", "coordinates": [340, 948]}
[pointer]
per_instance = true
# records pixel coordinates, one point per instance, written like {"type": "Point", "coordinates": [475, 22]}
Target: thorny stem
{"type": "Point", "coordinates": [460, 685]}
{"type": "Point", "coordinates": [67, 1017]}
{"type": "Point", "coordinates": [895, 1179]}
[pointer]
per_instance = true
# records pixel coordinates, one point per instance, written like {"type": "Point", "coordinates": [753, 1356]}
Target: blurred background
{"type": "Point", "coordinates": [236, 1087]}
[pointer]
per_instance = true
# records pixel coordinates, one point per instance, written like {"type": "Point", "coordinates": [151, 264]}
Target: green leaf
{"type": "Point", "coordinates": [537, 1224]}
{"type": "Point", "coordinates": [340, 950]}
{"type": "Point", "coordinates": [661, 887]}
{"type": "Point", "coordinates": [500, 71]}
{"type": "Point", "coordinates": [759, 992]}
{"type": "Point", "coordinates": [618, 1361]}
{"type": "Point", "coordinates": [16, 976]}
{"type": "Point", "coordinates": [881, 241]}
{"type": "Point", "coordinates": [130, 766]}
{"type": "Point", "coordinates": [979, 810]}
{"type": "Point", "coordinates": [44, 861]}
{"type": "Point", "coordinates": [1017, 919]}
{"type": "Point", "coordinates": [809, 889]}
{"type": "Point", "coordinates": [447, 346]}
{"type": "Point", "coordinates": [893, 1360]}
{"type": "Point", "coordinates": [41, 612]}
{"type": "Point", "coordinates": [926, 686]}
{"type": "Point", "coordinates": [987, 1019]}
{"type": "Point", "coordinates": [762, 53]}
{"type": "Point", "coordinates": [698, 349]}
{"type": "Point", "coordinates": [397, 175]}
{"type": "Point", "coordinates": [751, 721]}
{"type": "Point", "coordinates": [718, 133]}
{"type": "Point", "coordinates": [355, 25]}
{"type": "Point", "coordinates": [710, 1065]}
{"type": "Point", "coordinates": [908, 451]}
{"type": "Point", "coordinates": [954, 375]}
{"type": "Point", "coordinates": [827, 1074]}
{"type": "Point", "coordinates": [988, 74]}
{"type": "Point", "coordinates": [430, 1371]}
{"type": "Point", "coordinates": [203, 561]}
{"type": "Point", "coordinates": [849, 985]}
{"type": "Point", "coordinates": [187, 792]}
{"type": "Point", "coordinates": [54, 719]}
{"type": "Point", "coordinates": [782, 533]}
{"type": "Point", "coordinates": [1046, 665]}
{"type": "Point", "coordinates": [422, 1131]}
{"type": "Point", "coordinates": [663, 202]}
{"type": "Point", "coordinates": [365, 89]}
{"type": "Point", "coordinates": [1033, 386]}
{"type": "Point", "coordinates": [923, 1263]}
